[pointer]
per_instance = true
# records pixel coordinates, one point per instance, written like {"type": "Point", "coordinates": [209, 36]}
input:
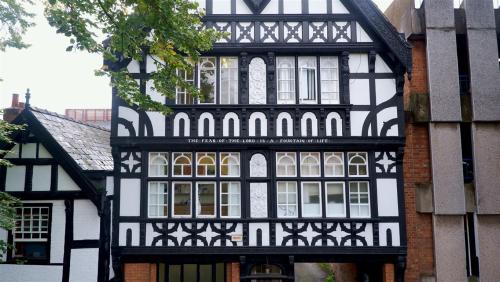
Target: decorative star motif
{"type": "Point", "coordinates": [131, 162]}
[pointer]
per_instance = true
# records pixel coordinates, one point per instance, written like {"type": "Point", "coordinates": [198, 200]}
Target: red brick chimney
{"type": "Point", "coordinates": [16, 107]}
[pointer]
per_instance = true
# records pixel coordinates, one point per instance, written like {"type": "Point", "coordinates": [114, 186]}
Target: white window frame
{"type": "Point", "coordinates": [287, 204]}
{"type": "Point", "coordinates": [281, 155]}
{"type": "Point", "coordinates": [324, 66]}
{"type": "Point", "coordinates": [223, 156]}
{"type": "Point", "coordinates": [359, 204]}
{"type": "Point", "coordinates": [44, 217]}
{"type": "Point", "coordinates": [183, 91]}
{"type": "Point", "coordinates": [333, 155]}
{"type": "Point", "coordinates": [177, 155]}
{"type": "Point", "coordinates": [304, 68]}
{"type": "Point", "coordinates": [343, 200]}
{"type": "Point", "coordinates": [154, 156]}
{"type": "Point", "coordinates": [302, 186]}
{"type": "Point", "coordinates": [306, 155]}
{"type": "Point", "coordinates": [190, 200]}
{"type": "Point", "coordinates": [280, 62]}
{"type": "Point", "coordinates": [350, 157]}
{"type": "Point", "coordinates": [202, 155]}
{"type": "Point", "coordinates": [198, 203]}
{"type": "Point", "coordinates": [232, 81]}
{"type": "Point", "coordinates": [229, 202]}
{"type": "Point", "coordinates": [156, 205]}
{"type": "Point", "coordinates": [201, 68]}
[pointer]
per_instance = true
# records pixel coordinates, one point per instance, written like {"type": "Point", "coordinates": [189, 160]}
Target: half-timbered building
{"type": "Point", "coordinates": [292, 153]}
{"type": "Point", "coordinates": [59, 173]}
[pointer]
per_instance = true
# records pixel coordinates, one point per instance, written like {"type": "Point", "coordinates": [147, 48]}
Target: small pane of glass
{"type": "Point", "coordinates": [335, 201]}
{"type": "Point", "coordinates": [182, 164]}
{"type": "Point", "coordinates": [230, 199]}
{"type": "Point", "coordinates": [358, 164]}
{"type": "Point", "coordinates": [286, 165]}
{"type": "Point", "coordinates": [286, 80]}
{"type": "Point", "coordinates": [207, 79]}
{"type": "Point", "coordinates": [205, 164]}
{"type": "Point", "coordinates": [230, 164]}
{"type": "Point", "coordinates": [158, 164]}
{"type": "Point", "coordinates": [158, 199]}
{"type": "Point", "coordinates": [182, 199]}
{"type": "Point", "coordinates": [307, 80]}
{"type": "Point", "coordinates": [228, 80]}
{"type": "Point", "coordinates": [205, 199]}
{"type": "Point", "coordinates": [311, 199]}
{"type": "Point", "coordinates": [334, 164]}
{"type": "Point", "coordinates": [287, 199]}
{"type": "Point", "coordinates": [359, 202]}
{"type": "Point", "coordinates": [310, 164]}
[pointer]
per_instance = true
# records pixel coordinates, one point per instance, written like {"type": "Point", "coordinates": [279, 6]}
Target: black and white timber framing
{"type": "Point", "coordinates": [62, 165]}
{"type": "Point", "coordinates": [371, 60]}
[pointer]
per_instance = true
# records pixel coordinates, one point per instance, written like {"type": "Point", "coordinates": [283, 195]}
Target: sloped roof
{"type": "Point", "coordinates": [88, 145]}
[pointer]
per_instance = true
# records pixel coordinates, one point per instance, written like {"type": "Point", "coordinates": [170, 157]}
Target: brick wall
{"type": "Point", "coordinates": [139, 272]}
{"type": "Point", "coordinates": [417, 170]}
{"type": "Point", "coordinates": [233, 272]}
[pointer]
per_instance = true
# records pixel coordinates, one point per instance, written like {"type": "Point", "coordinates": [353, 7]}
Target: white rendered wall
{"type": "Point", "coordinates": [30, 273]}
{"type": "Point", "coordinates": [130, 197]}
{"type": "Point", "coordinates": [86, 221]}
{"type": "Point", "coordinates": [84, 265]}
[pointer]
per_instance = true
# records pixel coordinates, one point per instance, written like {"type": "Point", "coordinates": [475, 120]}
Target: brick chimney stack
{"type": "Point", "coordinates": [9, 114]}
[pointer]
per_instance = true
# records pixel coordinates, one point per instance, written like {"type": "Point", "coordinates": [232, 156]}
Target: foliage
{"type": "Point", "coordinates": [327, 268]}
{"type": "Point", "coordinates": [14, 22]}
{"type": "Point", "coordinates": [169, 31]}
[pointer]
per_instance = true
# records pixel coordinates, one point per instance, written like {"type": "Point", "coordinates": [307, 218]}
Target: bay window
{"type": "Point", "coordinates": [307, 80]}
{"type": "Point", "coordinates": [207, 80]}
{"type": "Point", "coordinates": [329, 72]}
{"type": "Point", "coordinates": [230, 199]}
{"type": "Point", "coordinates": [311, 199]}
{"type": "Point", "coordinates": [181, 198]}
{"type": "Point", "coordinates": [287, 199]}
{"type": "Point", "coordinates": [335, 199]}
{"type": "Point", "coordinates": [286, 80]}
{"type": "Point", "coordinates": [229, 80]}
{"type": "Point", "coordinates": [157, 199]}
{"type": "Point", "coordinates": [205, 199]}
{"type": "Point", "coordinates": [359, 199]}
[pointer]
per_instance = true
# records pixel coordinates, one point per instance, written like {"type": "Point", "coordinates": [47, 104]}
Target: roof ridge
{"type": "Point", "coordinates": [44, 111]}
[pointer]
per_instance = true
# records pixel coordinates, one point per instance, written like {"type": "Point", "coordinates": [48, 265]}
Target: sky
{"type": "Point", "coordinates": [57, 79]}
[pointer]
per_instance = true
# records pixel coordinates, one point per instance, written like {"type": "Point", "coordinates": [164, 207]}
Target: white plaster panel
{"type": "Point", "coordinates": [361, 34]}
{"type": "Point", "coordinates": [252, 230]}
{"type": "Point", "coordinates": [201, 4]}
{"type": "Point", "coordinates": [258, 166]}
{"type": "Point", "coordinates": [64, 181]}
{"type": "Point", "coordinates": [29, 273]}
{"type": "Point", "coordinates": [155, 95]}
{"type": "Point", "coordinates": [359, 91]}
{"type": "Point", "coordinates": [394, 227]}
{"type": "Point", "coordinates": [28, 151]}
{"type": "Point", "coordinates": [57, 232]}
{"type": "Point", "coordinates": [257, 81]}
{"type": "Point", "coordinates": [150, 235]}
{"type": "Point", "coordinates": [225, 124]}
{"type": "Point", "coordinates": [201, 124]}
{"type": "Point", "coordinates": [280, 234]}
{"type": "Point", "coordinates": [333, 117]}
{"type": "Point", "coordinates": [385, 89]}
{"type": "Point", "coordinates": [177, 119]}
{"type": "Point", "coordinates": [123, 233]}
{"type": "Point", "coordinates": [43, 153]}
{"type": "Point", "coordinates": [381, 66]}
{"type": "Point", "coordinates": [263, 123]}
{"type": "Point", "coordinates": [289, 124]}
{"type": "Point", "coordinates": [158, 122]}
{"type": "Point", "coordinates": [338, 7]}
{"type": "Point", "coordinates": [386, 115]}
{"type": "Point", "coordinates": [292, 7]}
{"type": "Point", "coordinates": [110, 189]}
{"type": "Point", "coordinates": [13, 153]}
{"type": "Point", "coordinates": [3, 237]}
{"type": "Point", "coordinates": [387, 197]}
{"type": "Point", "coordinates": [317, 6]}
{"type": "Point", "coordinates": [130, 115]}
{"type": "Point", "coordinates": [15, 178]}
{"type": "Point", "coordinates": [367, 234]}
{"type": "Point", "coordinates": [84, 265]}
{"type": "Point", "coordinates": [221, 7]}
{"type": "Point", "coordinates": [271, 8]}
{"type": "Point", "coordinates": [151, 62]}
{"type": "Point", "coordinates": [242, 8]}
{"type": "Point", "coordinates": [358, 63]}
{"type": "Point", "coordinates": [86, 221]}
{"type": "Point", "coordinates": [314, 124]}
{"type": "Point", "coordinates": [357, 120]}
{"type": "Point", "coordinates": [130, 197]}
{"type": "Point", "coordinates": [258, 200]}
{"type": "Point", "coordinates": [41, 177]}
{"type": "Point", "coordinates": [133, 67]}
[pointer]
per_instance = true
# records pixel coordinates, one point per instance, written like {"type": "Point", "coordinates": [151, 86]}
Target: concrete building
{"type": "Point", "coordinates": [454, 97]}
